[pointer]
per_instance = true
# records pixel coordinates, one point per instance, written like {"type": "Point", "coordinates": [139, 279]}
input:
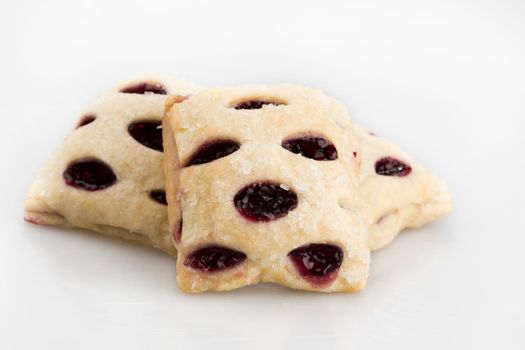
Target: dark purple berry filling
{"type": "Point", "coordinates": [255, 104]}
{"type": "Point", "coordinates": [313, 147]}
{"type": "Point", "coordinates": [85, 120]}
{"type": "Point", "coordinates": [159, 196]}
{"type": "Point", "coordinates": [214, 258]}
{"type": "Point", "coordinates": [317, 263]}
{"type": "Point", "coordinates": [265, 201]}
{"type": "Point", "coordinates": [147, 133]}
{"type": "Point", "coordinates": [177, 232]}
{"type": "Point", "coordinates": [213, 150]}
{"type": "Point", "coordinates": [89, 175]}
{"type": "Point", "coordinates": [389, 166]}
{"type": "Point", "coordinates": [145, 88]}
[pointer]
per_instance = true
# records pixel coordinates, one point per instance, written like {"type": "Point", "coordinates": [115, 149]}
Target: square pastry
{"type": "Point", "coordinates": [392, 200]}
{"type": "Point", "coordinates": [262, 187]}
{"type": "Point", "coordinates": [108, 174]}
{"type": "Point", "coordinates": [397, 192]}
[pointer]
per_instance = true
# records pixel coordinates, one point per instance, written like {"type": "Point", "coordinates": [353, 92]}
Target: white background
{"type": "Point", "coordinates": [444, 79]}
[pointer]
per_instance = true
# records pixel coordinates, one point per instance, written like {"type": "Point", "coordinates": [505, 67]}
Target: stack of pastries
{"type": "Point", "coordinates": [246, 184]}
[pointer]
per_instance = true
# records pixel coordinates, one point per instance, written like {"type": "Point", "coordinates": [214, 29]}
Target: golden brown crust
{"type": "Point", "coordinates": [172, 168]}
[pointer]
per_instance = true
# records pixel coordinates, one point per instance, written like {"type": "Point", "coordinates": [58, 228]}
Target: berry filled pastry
{"type": "Point", "coordinates": [108, 176]}
{"type": "Point", "coordinates": [262, 187]}
{"type": "Point", "coordinates": [397, 192]}
{"type": "Point", "coordinates": [394, 197]}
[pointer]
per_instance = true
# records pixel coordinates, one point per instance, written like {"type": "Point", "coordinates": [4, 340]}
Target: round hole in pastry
{"type": "Point", "coordinates": [265, 201]}
{"type": "Point", "coordinates": [159, 196]}
{"type": "Point", "coordinates": [317, 263]}
{"type": "Point", "coordinates": [85, 120]}
{"type": "Point", "coordinates": [313, 147]}
{"type": "Point", "coordinates": [148, 133]}
{"type": "Point", "coordinates": [89, 175]}
{"type": "Point", "coordinates": [213, 150]}
{"type": "Point", "coordinates": [389, 166]}
{"type": "Point", "coordinates": [257, 103]}
{"type": "Point", "coordinates": [145, 88]}
{"type": "Point", "coordinates": [214, 259]}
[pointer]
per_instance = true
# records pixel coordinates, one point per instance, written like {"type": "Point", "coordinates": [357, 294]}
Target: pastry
{"type": "Point", "coordinates": [391, 201]}
{"type": "Point", "coordinates": [262, 187]}
{"type": "Point", "coordinates": [107, 176]}
{"type": "Point", "coordinates": [397, 192]}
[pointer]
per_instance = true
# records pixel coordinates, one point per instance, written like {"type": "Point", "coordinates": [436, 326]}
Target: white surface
{"type": "Point", "coordinates": [443, 79]}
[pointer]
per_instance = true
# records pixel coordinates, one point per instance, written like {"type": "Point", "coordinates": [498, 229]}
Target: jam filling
{"type": "Point", "coordinates": [265, 201]}
{"type": "Point", "coordinates": [159, 196]}
{"type": "Point", "coordinates": [177, 232]}
{"type": "Point", "coordinates": [313, 147]}
{"type": "Point", "coordinates": [255, 104]}
{"type": "Point", "coordinates": [389, 166]}
{"type": "Point", "coordinates": [213, 150]}
{"type": "Point", "coordinates": [89, 175]}
{"type": "Point", "coordinates": [145, 88]}
{"type": "Point", "coordinates": [85, 120]}
{"type": "Point", "coordinates": [317, 263]}
{"type": "Point", "coordinates": [147, 133]}
{"type": "Point", "coordinates": [214, 259]}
